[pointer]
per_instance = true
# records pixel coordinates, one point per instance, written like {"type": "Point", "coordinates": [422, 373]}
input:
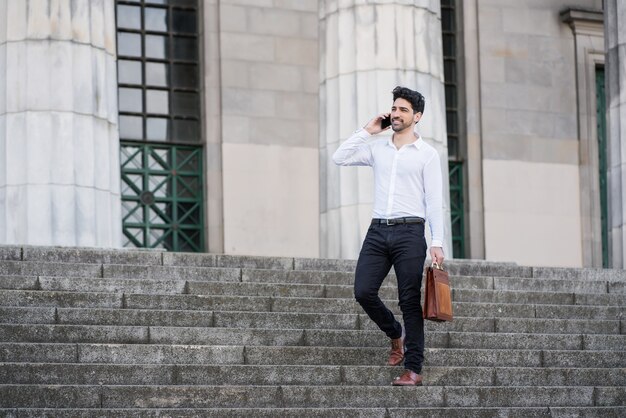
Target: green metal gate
{"type": "Point", "coordinates": [457, 208]}
{"type": "Point", "coordinates": [456, 142]}
{"type": "Point", "coordinates": [161, 197]}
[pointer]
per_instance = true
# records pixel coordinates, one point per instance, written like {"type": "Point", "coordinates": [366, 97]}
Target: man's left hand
{"type": "Point", "coordinates": [436, 254]}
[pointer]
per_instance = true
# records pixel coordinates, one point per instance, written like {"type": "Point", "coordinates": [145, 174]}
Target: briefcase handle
{"type": "Point", "coordinates": [437, 266]}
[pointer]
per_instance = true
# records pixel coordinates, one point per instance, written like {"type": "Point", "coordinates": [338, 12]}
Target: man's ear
{"type": "Point", "coordinates": [417, 116]}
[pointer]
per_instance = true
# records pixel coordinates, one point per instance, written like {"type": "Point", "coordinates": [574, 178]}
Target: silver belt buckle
{"type": "Point", "coordinates": [390, 224]}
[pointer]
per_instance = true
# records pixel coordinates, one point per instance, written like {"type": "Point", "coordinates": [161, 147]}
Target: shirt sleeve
{"type": "Point", "coordinates": [433, 193]}
{"type": "Point", "coordinates": [355, 150]}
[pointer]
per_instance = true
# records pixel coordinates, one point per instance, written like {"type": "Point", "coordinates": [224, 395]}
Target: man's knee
{"type": "Point", "coordinates": [364, 295]}
{"type": "Point", "coordinates": [410, 304]}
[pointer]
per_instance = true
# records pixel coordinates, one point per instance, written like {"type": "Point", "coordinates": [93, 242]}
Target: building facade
{"type": "Point", "coordinates": [208, 126]}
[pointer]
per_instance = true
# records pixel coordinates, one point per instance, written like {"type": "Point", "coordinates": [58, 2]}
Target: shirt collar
{"type": "Point", "coordinates": [417, 143]}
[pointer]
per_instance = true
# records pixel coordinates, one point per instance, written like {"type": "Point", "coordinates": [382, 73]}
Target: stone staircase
{"type": "Point", "coordinates": [115, 333]}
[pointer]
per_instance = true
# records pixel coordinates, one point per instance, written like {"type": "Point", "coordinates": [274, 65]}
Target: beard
{"type": "Point", "coordinates": [400, 126]}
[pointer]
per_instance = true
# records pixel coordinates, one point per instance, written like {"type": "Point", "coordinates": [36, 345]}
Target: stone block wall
{"type": "Point", "coordinates": [269, 126]}
{"type": "Point", "coordinates": [529, 123]}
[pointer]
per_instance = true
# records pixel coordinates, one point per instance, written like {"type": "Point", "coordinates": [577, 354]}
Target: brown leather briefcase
{"type": "Point", "coordinates": [437, 295]}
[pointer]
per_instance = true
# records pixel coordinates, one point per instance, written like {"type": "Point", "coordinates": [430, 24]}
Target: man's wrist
{"type": "Point", "coordinates": [365, 130]}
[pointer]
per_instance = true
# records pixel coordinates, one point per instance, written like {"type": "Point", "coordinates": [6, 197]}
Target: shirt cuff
{"type": "Point", "coordinates": [362, 133]}
{"type": "Point", "coordinates": [436, 243]}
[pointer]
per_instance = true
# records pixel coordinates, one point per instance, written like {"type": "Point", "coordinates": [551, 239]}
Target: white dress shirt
{"type": "Point", "coordinates": [407, 181]}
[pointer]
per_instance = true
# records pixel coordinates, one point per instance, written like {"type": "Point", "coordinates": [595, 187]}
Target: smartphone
{"type": "Point", "coordinates": [385, 122]}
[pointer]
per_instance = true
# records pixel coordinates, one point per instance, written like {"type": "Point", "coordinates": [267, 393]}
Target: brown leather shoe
{"type": "Point", "coordinates": [408, 378]}
{"type": "Point", "coordinates": [396, 355]}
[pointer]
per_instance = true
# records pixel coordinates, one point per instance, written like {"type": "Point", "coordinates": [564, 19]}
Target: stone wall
{"type": "Point", "coordinates": [269, 118]}
{"type": "Point", "coordinates": [528, 115]}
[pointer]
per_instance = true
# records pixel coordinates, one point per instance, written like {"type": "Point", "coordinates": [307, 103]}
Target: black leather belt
{"type": "Point", "coordinates": [398, 221]}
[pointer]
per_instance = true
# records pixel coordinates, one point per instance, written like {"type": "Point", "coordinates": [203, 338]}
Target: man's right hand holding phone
{"type": "Point", "coordinates": [378, 124]}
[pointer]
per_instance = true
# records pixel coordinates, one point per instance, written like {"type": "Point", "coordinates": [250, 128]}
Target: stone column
{"type": "Point", "coordinates": [366, 50]}
{"type": "Point", "coordinates": [59, 143]}
{"type": "Point", "coordinates": [615, 45]}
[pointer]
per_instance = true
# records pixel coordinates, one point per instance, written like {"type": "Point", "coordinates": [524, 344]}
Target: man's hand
{"type": "Point", "coordinates": [373, 126]}
{"type": "Point", "coordinates": [436, 254]}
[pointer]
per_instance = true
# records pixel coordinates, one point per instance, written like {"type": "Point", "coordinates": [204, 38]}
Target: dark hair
{"type": "Point", "coordinates": [414, 97]}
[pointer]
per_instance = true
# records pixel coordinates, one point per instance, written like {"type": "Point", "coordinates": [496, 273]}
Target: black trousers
{"type": "Point", "coordinates": [404, 247]}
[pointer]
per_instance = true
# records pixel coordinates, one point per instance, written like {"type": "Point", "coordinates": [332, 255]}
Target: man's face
{"type": "Point", "coordinates": [402, 116]}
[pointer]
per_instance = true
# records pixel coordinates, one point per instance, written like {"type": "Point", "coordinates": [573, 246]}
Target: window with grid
{"type": "Point", "coordinates": [159, 123]}
{"type": "Point", "coordinates": [158, 75]}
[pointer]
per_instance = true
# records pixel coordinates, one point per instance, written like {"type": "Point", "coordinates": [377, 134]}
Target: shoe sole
{"type": "Point", "coordinates": [406, 384]}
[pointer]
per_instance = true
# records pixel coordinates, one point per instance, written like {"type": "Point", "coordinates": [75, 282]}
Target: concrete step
{"type": "Point", "coordinates": [151, 257]}
{"type": "Point", "coordinates": [550, 298]}
{"type": "Point", "coordinates": [481, 340]}
{"type": "Point", "coordinates": [454, 412]}
{"type": "Point", "coordinates": [475, 267]}
{"type": "Point", "coordinates": [297, 337]}
{"type": "Point", "coordinates": [125, 271]}
{"type": "Point", "coordinates": [571, 294]}
{"type": "Point", "coordinates": [181, 374]}
{"type": "Point", "coordinates": [97, 316]}
{"type": "Point", "coordinates": [42, 298]}
{"type": "Point", "coordinates": [614, 284]}
{"type": "Point", "coordinates": [174, 286]}
{"type": "Point", "coordinates": [28, 268]}
{"type": "Point", "coordinates": [82, 284]}
{"type": "Point", "coordinates": [290, 304]}
{"type": "Point", "coordinates": [24, 303]}
{"type": "Point", "coordinates": [461, 309]}
{"type": "Point", "coordinates": [10, 252]}
{"type": "Point", "coordinates": [272, 289]}
{"type": "Point", "coordinates": [558, 326]}
{"type": "Point", "coordinates": [135, 353]}
{"type": "Point", "coordinates": [350, 306]}
{"type": "Point", "coordinates": [436, 357]}
{"type": "Point", "coordinates": [534, 341]}
{"type": "Point", "coordinates": [519, 325]}
{"type": "Point", "coordinates": [77, 255]}
{"type": "Point", "coordinates": [458, 281]}
{"type": "Point", "coordinates": [120, 353]}
{"type": "Point", "coordinates": [580, 273]}
{"type": "Point", "coordinates": [228, 261]}
{"type": "Point", "coordinates": [143, 335]}
{"type": "Point", "coordinates": [143, 257]}
{"type": "Point", "coordinates": [18, 282]}
{"type": "Point", "coordinates": [74, 333]}
{"type": "Point", "coordinates": [304, 277]}
{"type": "Point", "coordinates": [552, 285]}
{"type": "Point", "coordinates": [250, 288]}
{"type": "Point", "coordinates": [390, 291]}
{"type": "Point", "coordinates": [180, 396]}
{"type": "Point", "coordinates": [294, 320]}
{"type": "Point", "coordinates": [548, 412]}
{"type": "Point", "coordinates": [202, 412]}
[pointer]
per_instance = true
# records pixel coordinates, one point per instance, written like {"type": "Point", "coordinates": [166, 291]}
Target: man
{"type": "Point", "coordinates": [407, 190]}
